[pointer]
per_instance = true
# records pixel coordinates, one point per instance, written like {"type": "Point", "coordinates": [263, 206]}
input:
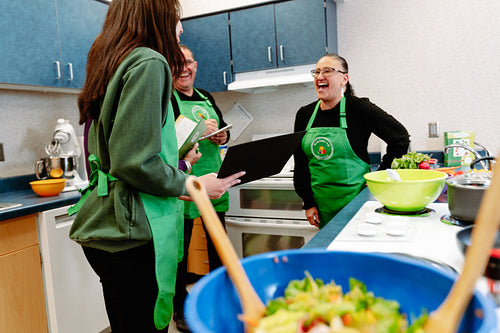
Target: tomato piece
{"type": "Point", "coordinates": [423, 165]}
{"type": "Point", "coordinates": [347, 319]}
{"type": "Point", "coordinates": [313, 323]}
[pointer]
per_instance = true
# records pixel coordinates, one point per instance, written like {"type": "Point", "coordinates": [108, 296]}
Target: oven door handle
{"type": "Point", "coordinates": [229, 221]}
{"type": "Point", "coordinates": [271, 184]}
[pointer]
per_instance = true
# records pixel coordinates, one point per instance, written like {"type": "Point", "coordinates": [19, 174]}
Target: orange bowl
{"type": "Point", "coordinates": [48, 187]}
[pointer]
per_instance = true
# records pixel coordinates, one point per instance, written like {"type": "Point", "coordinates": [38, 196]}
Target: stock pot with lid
{"type": "Point", "coordinates": [465, 192]}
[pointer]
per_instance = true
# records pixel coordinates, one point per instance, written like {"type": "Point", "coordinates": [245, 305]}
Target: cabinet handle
{"type": "Point", "coordinates": [224, 77]}
{"type": "Point", "coordinates": [269, 54]}
{"type": "Point", "coordinates": [70, 68]}
{"type": "Point", "coordinates": [282, 53]}
{"type": "Point", "coordinates": [58, 69]}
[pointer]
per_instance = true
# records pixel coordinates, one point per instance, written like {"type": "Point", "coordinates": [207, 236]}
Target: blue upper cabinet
{"type": "Point", "coordinates": [208, 38]}
{"type": "Point", "coordinates": [42, 48]}
{"type": "Point", "coordinates": [304, 43]}
{"type": "Point", "coordinates": [80, 21]}
{"type": "Point", "coordinates": [284, 34]}
{"type": "Point", "coordinates": [30, 45]}
{"type": "Point", "coordinates": [253, 40]}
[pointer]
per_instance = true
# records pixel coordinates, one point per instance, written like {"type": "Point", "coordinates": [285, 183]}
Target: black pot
{"type": "Point", "coordinates": [465, 193]}
{"type": "Point", "coordinates": [493, 267]}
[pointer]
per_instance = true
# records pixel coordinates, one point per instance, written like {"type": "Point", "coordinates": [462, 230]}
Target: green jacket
{"type": "Point", "coordinates": [127, 140]}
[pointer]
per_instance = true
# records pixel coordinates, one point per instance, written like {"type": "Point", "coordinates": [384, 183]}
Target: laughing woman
{"type": "Point", "coordinates": [334, 157]}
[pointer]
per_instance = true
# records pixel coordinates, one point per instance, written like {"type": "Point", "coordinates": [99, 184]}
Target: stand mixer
{"type": "Point", "coordinates": [64, 152]}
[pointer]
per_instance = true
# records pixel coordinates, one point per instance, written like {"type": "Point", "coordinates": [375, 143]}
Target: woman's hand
{"type": "Point", "coordinates": [193, 155]}
{"type": "Point", "coordinates": [217, 187]}
{"type": "Point", "coordinates": [312, 216]}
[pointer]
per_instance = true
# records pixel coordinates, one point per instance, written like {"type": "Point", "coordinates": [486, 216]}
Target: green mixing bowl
{"type": "Point", "coordinates": [416, 189]}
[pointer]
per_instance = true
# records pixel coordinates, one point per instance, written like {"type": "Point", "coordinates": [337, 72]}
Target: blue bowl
{"type": "Point", "coordinates": [213, 305]}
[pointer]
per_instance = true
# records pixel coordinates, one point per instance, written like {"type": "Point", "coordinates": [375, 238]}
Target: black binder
{"type": "Point", "coordinates": [261, 158]}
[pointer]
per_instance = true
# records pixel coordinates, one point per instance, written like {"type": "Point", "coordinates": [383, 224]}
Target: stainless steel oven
{"type": "Point", "coordinates": [266, 215]}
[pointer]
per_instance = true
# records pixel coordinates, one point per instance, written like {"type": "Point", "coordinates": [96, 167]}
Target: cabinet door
{"type": "Point", "coordinates": [21, 296]}
{"type": "Point", "coordinates": [300, 32]}
{"type": "Point", "coordinates": [208, 38]}
{"type": "Point", "coordinates": [253, 39]}
{"type": "Point", "coordinates": [30, 45]}
{"type": "Point", "coordinates": [80, 21]}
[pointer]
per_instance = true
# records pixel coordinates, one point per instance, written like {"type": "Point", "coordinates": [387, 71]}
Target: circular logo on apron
{"type": "Point", "coordinates": [322, 148]}
{"type": "Point", "coordinates": [198, 112]}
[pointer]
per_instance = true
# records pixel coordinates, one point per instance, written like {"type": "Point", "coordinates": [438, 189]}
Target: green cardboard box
{"type": "Point", "coordinates": [458, 156]}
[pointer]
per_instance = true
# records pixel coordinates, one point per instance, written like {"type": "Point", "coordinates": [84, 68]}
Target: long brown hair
{"type": "Point", "coordinates": [129, 24]}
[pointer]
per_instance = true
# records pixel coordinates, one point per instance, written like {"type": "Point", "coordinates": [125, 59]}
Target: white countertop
{"type": "Point", "coordinates": [425, 237]}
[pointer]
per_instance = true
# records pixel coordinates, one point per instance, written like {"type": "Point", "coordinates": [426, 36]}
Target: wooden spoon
{"type": "Point", "coordinates": [253, 308]}
{"type": "Point", "coordinates": [447, 317]}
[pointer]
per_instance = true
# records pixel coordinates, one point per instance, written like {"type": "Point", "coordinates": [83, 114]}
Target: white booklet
{"type": "Point", "coordinates": [188, 132]}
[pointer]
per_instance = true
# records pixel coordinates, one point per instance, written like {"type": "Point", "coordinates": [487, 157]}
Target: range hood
{"type": "Point", "coordinates": [270, 80]}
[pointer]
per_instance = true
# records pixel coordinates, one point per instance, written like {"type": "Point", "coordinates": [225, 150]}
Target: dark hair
{"type": "Point", "coordinates": [129, 24]}
{"type": "Point", "coordinates": [349, 91]}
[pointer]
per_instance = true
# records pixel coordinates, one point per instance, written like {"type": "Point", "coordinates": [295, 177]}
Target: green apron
{"type": "Point", "coordinates": [167, 226]}
{"type": "Point", "coordinates": [166, 220]}
{"type": "Point", "coordinates": [336, 171]}
{"type": "Point", "coordinates": [211, 159]}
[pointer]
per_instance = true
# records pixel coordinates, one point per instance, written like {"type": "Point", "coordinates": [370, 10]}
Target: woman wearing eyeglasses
{"type": "Point", "coordinates": [334, 157]}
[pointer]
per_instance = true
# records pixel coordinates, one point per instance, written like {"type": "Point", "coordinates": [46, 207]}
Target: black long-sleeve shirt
{"type": "Point", "coordinates": [363, 119]}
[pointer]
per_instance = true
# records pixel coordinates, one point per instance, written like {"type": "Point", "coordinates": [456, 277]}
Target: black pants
{"type": "Point", "coordinates": [213, 261]}
{"type": "Point", "coordinates": [129, 286]}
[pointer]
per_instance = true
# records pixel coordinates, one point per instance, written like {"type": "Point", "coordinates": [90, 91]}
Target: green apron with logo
{"type": "Point", "coordinates": [210, 160]}
{"type": "Point", "coordinates": [336, 171]}
{"type": "Point", "coordinates": [166, 220]}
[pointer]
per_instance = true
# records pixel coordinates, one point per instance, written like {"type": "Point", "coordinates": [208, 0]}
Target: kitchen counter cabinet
{"type": "Point", "coordinates": [284, 34]}
{"type": "Point", "coordinates": [208, 38]}
{"type": "Point", "coordinates": [198, 254]}
{"type": "Point", "coordinates": [21, 283]}
{"type": "Point", "coordinates": [45, 42]}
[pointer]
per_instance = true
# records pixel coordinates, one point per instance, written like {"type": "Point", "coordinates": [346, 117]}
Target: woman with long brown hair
{"type": "Point", "coordinates": [128, 220]}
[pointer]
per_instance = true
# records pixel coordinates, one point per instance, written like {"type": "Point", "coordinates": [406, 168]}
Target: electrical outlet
{"type": "Point", "coordinates": [2, 157]}
{"type": "Point", "coordinates": [434, 130]}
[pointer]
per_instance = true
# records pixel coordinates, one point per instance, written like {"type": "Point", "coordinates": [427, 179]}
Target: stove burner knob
{"type": "Point", "coordinates": [367, 230]}
{"type": "Point", "coordinates": [396, 229]}
{"type": "Point", "coordinates": [373, 218]}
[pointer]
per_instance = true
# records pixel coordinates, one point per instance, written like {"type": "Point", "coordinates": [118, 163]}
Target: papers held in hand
{"type": "Point", "coordinates": [188, 132]}
{"type": "Point", "coordinates": [221, 130]}
{"type": "Point", "coordinates": [261, 158]}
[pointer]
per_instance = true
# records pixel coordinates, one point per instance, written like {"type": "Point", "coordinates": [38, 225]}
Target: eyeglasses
{"type": "Point", "coordinates": [189, 62]}
{"type": "Point", "coordinates": [327, 71]}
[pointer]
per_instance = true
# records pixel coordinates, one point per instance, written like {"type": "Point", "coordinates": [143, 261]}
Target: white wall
{"type": "Point", "coordinates": [27, 122]}
{"type": "Point", "coordinates": [427, 61]}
